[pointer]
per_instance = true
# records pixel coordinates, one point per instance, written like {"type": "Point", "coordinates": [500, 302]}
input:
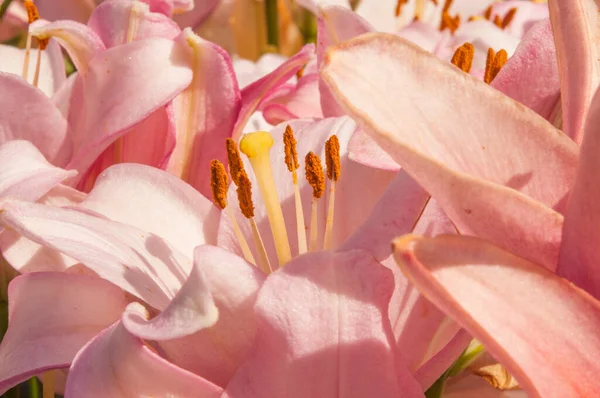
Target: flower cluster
{"type": "Point", "coordinates": [260, 199]}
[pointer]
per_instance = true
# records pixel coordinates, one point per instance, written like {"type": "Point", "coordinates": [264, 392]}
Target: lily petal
{"type": "Point", "coordinates": [531, 75]}
{"type": "Point", "coordinates": [346, 348]}
{"type": "Point", "coordinates": [579, 257]}
{"type": "Point", "coordinates": [254, 94]}
{"type": "Point", "coordinates": [33, 118]}
{"type": "Point", "coordinates": [82, 43]}
{"type": "Point", "coordinates": [119, 365]}
{"type": "Point", "coordinates": [576, 28]}
{"type": "Point", "coordinates": [51, 316]}
{"type": "Point", "coordinates": [141, 263]}
{"type": "Point", "coordinates": [448, 167]}
{"type": "Point", "coordinates": [215, 353]}
{"type": "Point", "coordinates": [24, 172]}
{"type": "Point", "coordinates": [205, 112]}
{"type": "Point", "coordinates": [65, 9]}
{"type": "Point", "coordinates": [516, 308]}
{"type": "Point", "coordinates": [111, 19]}
{"type": "Point", "coordinates": [157, 67]}
{"type": "Point", "coordinates": [170, 208]}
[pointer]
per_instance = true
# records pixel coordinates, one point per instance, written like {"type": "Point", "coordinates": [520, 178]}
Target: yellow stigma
{"type": "Point", "coordinates": [256, 144]}
{"type": "Point", "coordinates": [257, 147]}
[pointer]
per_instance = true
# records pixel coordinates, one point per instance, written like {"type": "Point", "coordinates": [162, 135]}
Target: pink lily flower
{"type": "Point", "coordinates": [385, 345]}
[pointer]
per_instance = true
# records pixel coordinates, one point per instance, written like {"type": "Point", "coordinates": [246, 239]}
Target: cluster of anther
{"type": "Point", "coordinates": [256, 146]}
{"type": "Point", "coordinates": [463, 58]}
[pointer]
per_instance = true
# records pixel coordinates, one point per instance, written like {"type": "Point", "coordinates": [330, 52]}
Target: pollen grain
{"type": "Point", "coordinates": [244, 192]}
{"type": "Point", "coordinates": [291, 154]}
{"type": "Point", "coordinates": [463, 57]}
{"type": "Point", "coordinates": [235, 160]}
{"type": "Point", "coordinates": [493, 64]}
{"type": "Point", "coordinates": [315, 175]}
{"type": "Point", "coordinates": [332, 158]}
{"type": "Point", "coordinates": [218, 183]}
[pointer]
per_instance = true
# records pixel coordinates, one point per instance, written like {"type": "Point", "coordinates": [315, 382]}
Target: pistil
{"type": "Point", "coordinates": [463, 57]}
{"type": "Point", "coordinates": [219, 183]}
{"type": "Point", "coordinates": [332, 160]}
{"type": "Point", "coordinates": [316, 179]}
{"type": "Point", "coordinates": [244, 192]}
{"type": "Point", "coordinates": [291, 161]}
{"type": "Point", "coordinates": [256, 146]}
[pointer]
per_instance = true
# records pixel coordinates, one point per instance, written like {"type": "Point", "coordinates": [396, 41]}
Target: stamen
{"type": "Point", "coordinates": [487, 14]}
{"type": "Point", "coordinates": [449, 22]}
{"type": "Point", "coordinates": [447, 5]}
{"type": "Point", "coordinates": [219, 183]}
{"type": "Point", "coordinates": [510, 15]}
{"type": "Point", "coordinates": [236, 166]}
{"type": "Point", "coordinates": [493, 64]}
{"type": "Point", "coordinates": [32, 16]}
{"type": "Point", "coordinates": [316, 179]}
{"type": "Point", "coordinates": [463, 57]}
{"type": "Point", "coordinates": [498, 21]}
{"type": "Point", "coordinates": [257, 147]}
{"type": "Point", "coordinates": [399, 5]}
{"type": "Point", "coordinates": [291, 161]}
{"type": "Point", "coordinates": [244, 192]}
{"type": "Point", "coordinates": [419, 9]}
{"type": "Point", "coordinates": [332, 160]}
{"type": "Point", "coordinates": [48, 384]}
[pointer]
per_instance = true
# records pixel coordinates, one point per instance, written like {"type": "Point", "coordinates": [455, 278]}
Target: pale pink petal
{"type": "Point", "coordinates": [62, 97]}
{"type": "Point", "coordinates": [522, 313]}
{"type": "Point", "coordinates": [424, 35]}
{"type": "Point", "coordinates": [51, 316]}
{"type": "Point", "coordinates": [192, 309]}
{"type": "Point", "coordinates": [65, 9]}
{"type": "Point", "coordinates": [137, 79]}
{"type": "Point", "coordinates": [451, 155]}
{"type": "Point", "coordinates": [336, 25]}
{"type": "Point", "coordinates": [300, 103]}
{"type": "Point", "coordinates": [141, 263]}
{"type": "Point", "coordinates": [205, 112]}
{"type": "Point", "coordinates": [254, 94]}
{"type": "Point", "coordinates": [150, 142]}
{"type": "Point", "coordinates": [364, 150]}
{"type": "Point", "coordinates": [247, 71]}
{"type": "Point", "coordinates": [531, 75]}
{"type": "Point", "coordinates": [576, 28]}
{"type": "Point", "coordinates": [81, 42]}
{"type": "Point", "coordinates": [579, 257]}
{"type": "Point", "coordinates": [357, 191]}
{"type": "Point", "coordinates": [26, 256]}
{"type": "Point", "coordinates": [111, 19]}
{"type": "Point", "coordinates": [117, 364]}
{"type": "Point", "coordinates": [323, 332]}
{"type": "Point", "coordinates": [216, 353]}
{"type": "Point", "coordinates": [27, 114]}
{"type": "Point", "coordinates": [24, 172]}
{"type": "Point", "coordinates": [157, 202]}
{"type": "Point", "coordinates": [52, 66]}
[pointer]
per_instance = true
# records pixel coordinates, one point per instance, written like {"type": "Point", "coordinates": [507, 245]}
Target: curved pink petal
{"type": "Point", "coordinates": [117, 364]}
{"type": "Point", "coordinates": [521, 312]}
{"type": "Point", "coordinates": [364, 150]}
{"type": "Point", "coordinates": [51, 316]}
{"type": "Point", "coordinates": [254, 94]}
{"type": "Point", "coordinates": [336, 25]}
{"type": "Point", "coordinates": [215, 353]}
{"type": "Point", "coordinates": [576, 28]}
{"type": "Point", "coordinates": [323, 332]}
{"type": "Point", "coordinates": [141, 263]}
{"type": "Point", "coordinates": [389, 101]}
{"type": "Point", "coordinates": [24, 172]}
{"type": "Point", "coordinates": [155, 201]}
{"type": "Point", "coordinates": [300, 103]}
{"type": "Point", "coordinates": [357, 191]}
{"type": "Point", "coordinates": [531, 75]}
{"type": "Point", "coordinates": [62, 97]}
{"type": "Point", "coordinates": [149, 142]}
{"type": "Point", "coordinates": [82, 43]}
{"type": "Point", "coordinates": [205, 112]}
{"type": "Point", "coordinates": [65, 9]}
{"type": "Point", "coordinates": [579, 257]}
{"type": "Point", "coordinates": [52, 66]}
{"type": "Point", "coordinates": [26, 256]}
{"type": "Point", "coordinates": [201, 10]}
{"type": "Point", "coordinates": [33, 118]}
{"type": "Point", "coordinates": [192, 309]}
{"type": "Point", "coordinates": [111, 19]}
{"type": "Point", "coordinates": [123, 87]}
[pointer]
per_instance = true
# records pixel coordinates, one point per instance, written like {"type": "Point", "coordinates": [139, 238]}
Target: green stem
{"type": "Point", "coordinates": [272, 23]}
{"type": "Point", "coordinates": [4, 7]}
{"type": "Point", "coordinates": [35, 389]}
